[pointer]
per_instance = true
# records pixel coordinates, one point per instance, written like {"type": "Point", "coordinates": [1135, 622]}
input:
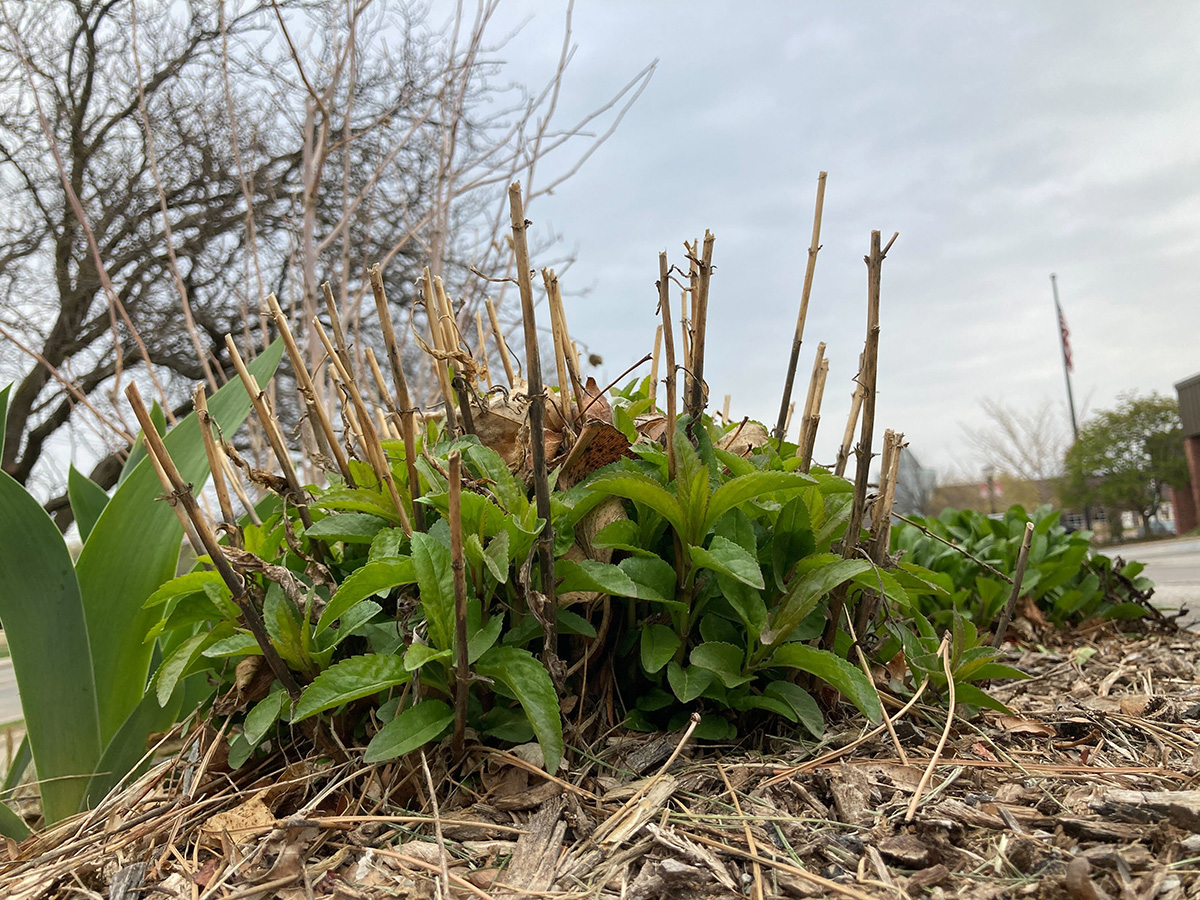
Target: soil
{"type": "Point", "coordinates": [1085, 791]}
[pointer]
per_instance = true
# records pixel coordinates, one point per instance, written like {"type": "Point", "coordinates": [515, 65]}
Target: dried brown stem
{"type": "Point", "coordinates": [458, 567]}
{"type": "Point", "coordinates": [537, 429]}
{"type": "Point", "coordinates": [368, 436]}
{"type": "Point", "coordinates": [440, 366]}
{"type": "Point", "coordinates": [216, 463]}
{"type": "Point", "coordinates": [658, 331]}
{"type": "Point", "coordinates": [271, 428]}
{"type": "Point", "coordinates": [874, 263]}
{"type": "Point", "coordinates": [316, 409]}
{"type": "Point", "coordinates": [813, 420]}
{"type": "Point", "coordinates": [498, 332]}
{"type": "Point", "coordinates": [550, 280]}
{"type": "Point", "coordinates": [698, 398]}
{"type": "Point", "coordinates": [856, 399]}
{"type": "Point", "coordinates": [664, 307]}
{"type": "Point", "coordinates": [408, 425]}
{"type": "Point", "coordinates": [798, 338]}
{"type": "Point", "coordinates": [181, 493]}
{"type": "Point", "coordinates": [818, 360]}
{"type": "Point", "coordinates": [483, 357]}
{"type": "Point", "coordinates": [1018, 577]}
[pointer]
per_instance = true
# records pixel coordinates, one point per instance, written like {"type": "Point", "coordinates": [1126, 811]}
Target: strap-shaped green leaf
{"type": "Point", "coordinates": [88, 500]}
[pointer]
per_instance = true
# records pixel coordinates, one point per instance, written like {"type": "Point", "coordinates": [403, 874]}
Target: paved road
{"type": "Point", "coordinates": [1174, 567]}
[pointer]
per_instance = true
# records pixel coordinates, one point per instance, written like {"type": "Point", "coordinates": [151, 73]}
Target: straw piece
{"type": "Point", "coordinates": [440, 367]}
{"type": "Point", "coordinates": [658, 332]}
{"type": "Point", "coordinates": [216, 464]}
{"type": "Point", "coordinates": [812, 391]}
{"type": "Point", "coordinates": [856, 399]}
{"type": "Point", "coordinates": [664, 307]}
{"type": "Point", "coordinates": [500, 344]}
{"type": "Point", "coordinates": [550, 280]}
{"type": "Point", "coordinates": [308, 390]}
{"type": "Point", "coordinates": [483, 357]}
{"type": "Point", "coordinates": [698, 398]}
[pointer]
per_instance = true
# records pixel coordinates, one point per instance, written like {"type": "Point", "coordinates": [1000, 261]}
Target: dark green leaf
{"type": "Point", "coordinates": [435, 578]}
{"type": "Point", "coordinates": [729, 559]}
{"type": "Point", "coordinates": [88, 500]}
{"type": "Point", "coordinates": [412, 729]}
{"type": "Point", "coordinates": [659, 643]}
{"type": "Point", "coordinates": [372, 578]}
{"type": "Point", "coordinates": [722, 659]}
{"type": "Point", "coordinates": [351, 679]}
{"type": "Point", "coordinates": [835, 671]}
{"type": "Point", "coordinates": [350, 527]}
{"type": "Point", "coordinates": [802, 704]}
{"type": "Point", "coordinates": [592, 575]}
{"type": "Point", "coordinates": [530, 683]}
{"type": "Point", "coordinates": [689, 683]}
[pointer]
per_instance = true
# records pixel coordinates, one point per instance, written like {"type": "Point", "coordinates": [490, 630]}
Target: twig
{"type": "Point", "coordinates": [756, 892]}
{"type": "Point", "coordinates": [653, 392]}
{"type": "Point", "coordinates": [856, 399]}
{"type": "Point", "coordinates": [964, 552]}
{"type": "Point", "coordinates": [458, 567]}
{"type": "Point", "coordinates": [1018, 577]}
{"type": "Point", "coordinates": [182, 493]}
{"type": "Point", "coordinates": [825, 883]}
{"type": "Point", "coordinates": [944, 652]}
{"type": "Point", "coordinates": [797, 339]}
{"type": "Point", "coordinates": [444, 882]}
{"type": "Point", "coordinates": [483, 357]}
{"type": "Point", "coordinates": [537, 431]}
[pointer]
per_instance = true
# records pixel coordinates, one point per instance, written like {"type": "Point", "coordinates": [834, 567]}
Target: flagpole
{"type": "Point", "coordinates": [1062, 345]}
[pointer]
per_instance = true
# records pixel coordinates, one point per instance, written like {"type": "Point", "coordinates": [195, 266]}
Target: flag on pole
{"type": "Point", "coordinates": [1066, 342]}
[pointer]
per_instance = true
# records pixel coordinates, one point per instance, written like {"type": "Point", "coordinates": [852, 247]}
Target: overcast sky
{"type": "Point", "coordinates": [1002, 141]}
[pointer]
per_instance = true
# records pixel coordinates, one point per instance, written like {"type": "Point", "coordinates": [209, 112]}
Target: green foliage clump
{"type": "Point", "coordinates": [1067, 579]}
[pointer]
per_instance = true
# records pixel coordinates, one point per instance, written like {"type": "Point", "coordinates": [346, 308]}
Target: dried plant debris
{"type": "Point", "coordinates": [1086, 789]}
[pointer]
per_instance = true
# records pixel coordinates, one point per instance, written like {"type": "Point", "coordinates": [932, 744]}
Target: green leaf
{"type": "Point", "coordinates": [88, 500]}
{"type": "Point", "coordinates": [530, 683]}
{"type": "Point", "coordinates": [722, 659]}
{"type": "Point", "coordinates": [133, 548]}
{"type": "Point", "coordinates": [806, 590]}
{"type": "Point", "coordinates": [176, 664]}
{"type": "Point", "coordinates": [382, 575]}
{"type": "Point", "coordinates": [11, 825]}
{"type": "Point", "coordinates": [240, 644]}
{"type": "Point", "coordinates": [435, 579]}
{"type": "Point", "coordinates": [689, 683]}
{"type": "Point", "coordinates": [623, 534]}
{"type": "Point", "coordinates": [970, 695]}
{"type": "Point", "coordinates": [835, 671]}
{"type": "Point", "coordinates": [655, 578]}
{"type": "Point", "coordinates": [266, 712]}
{"type": "Point", "coordinates": [802, 704]}
{"type": "Point", "coordinates": [505, 486]}
{"type": "Point", "coordinates": [182, 586]}
{"type": "Point", "coordinates": [44, 622]}
{"type": "Point", "coordinates": [352, 619]}
{"type": "Point", "coordinates": [358, 499]}
{"type": "Point", "coordinates": [659, 643]}
{"type": "Point", "coordinates": [350, 679]}
{"type": "Point", "coordinates": [495, 556]}
{"type": "Point", "coordinates": [792, 539]}
{"type": "Point", "coordinates": [412, 729]}
{"type": "Point", "coordinates": [738, 490]}
{"type": "Point", "coordinates": [483, 639]}
{"type": "Point", "coordinates": [729, 559]}
{"type": "Point", "coordinates": [591, 575]}
{"type": "Point", "coordinates": [645, 490]}
{"type": "Point", "coordinates": [350, 527]}
{"type": "Point", "coordinates": [419, 654]}
{"type": "Point", "coordinates": [282, 621]}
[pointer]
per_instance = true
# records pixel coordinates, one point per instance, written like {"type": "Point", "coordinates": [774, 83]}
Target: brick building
{"type": "Point", "coordinates": [1187, 496]}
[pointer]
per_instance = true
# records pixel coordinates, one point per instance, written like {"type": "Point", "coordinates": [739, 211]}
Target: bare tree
{"type": "Point", "coordinates": [1027, 444]}
{"type": "Point", "coordinates": [164, 165]}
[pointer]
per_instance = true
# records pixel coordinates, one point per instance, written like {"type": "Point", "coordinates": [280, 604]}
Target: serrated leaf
{"type": "Point", "coordinates": [530, 683]}
{"type": "Point", "coordinates": [792, 539]}
{"type": "Point", "coordinates": [435, 579]}
{"type": "Point", "coordinates": [184, 584]}
{"type": "Point", "coordinates": [352, 619]}
{"type": "Point", "coordinates": [485, 638]}
{"type": "Point", "coordinates": [645, 490]}
{"type": "Point", "coordinates": [372, 578]}
{"type": "Point", "coordinates": [412, 729]}
{"type": "Point", "coordinates": [805, 590]}
{"type": "Point", "coordinates": [495, 556]}
{"type": "Point", "coordinates": [592, 575]}
{"type": "Point", "coordinates": [738, 490]}
{"type": "Point", "coordinates": [350, 679]}
{"type": "Point", "coordinates": [659, 643]}
{"type": "Point", "coordinates": [240, 644]}
{"type": "Point", "coordinates": [654, 577]}
{"type": "Point", "coordinates": [835, 671]}
{"type": "Point", "coordinates": [264, 714]}
{"type": "Point", "coordinates": [729, 559]}
{"type": "Point", "coordinates": [419, 654]}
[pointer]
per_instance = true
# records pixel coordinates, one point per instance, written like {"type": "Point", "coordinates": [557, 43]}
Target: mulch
{"type": "Point", "coordinates": [1088, 790]}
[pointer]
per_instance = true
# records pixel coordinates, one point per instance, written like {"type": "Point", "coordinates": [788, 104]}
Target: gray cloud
{"type": "Point", "coordinates": [1003, 142]}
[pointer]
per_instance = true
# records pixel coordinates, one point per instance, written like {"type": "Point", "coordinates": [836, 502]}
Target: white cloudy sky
{"type": "Point", "coordinates": [1003, 141]}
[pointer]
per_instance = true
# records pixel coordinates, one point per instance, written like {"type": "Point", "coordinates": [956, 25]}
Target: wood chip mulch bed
{"type": "Point", "coordinates": [1088, 790]}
